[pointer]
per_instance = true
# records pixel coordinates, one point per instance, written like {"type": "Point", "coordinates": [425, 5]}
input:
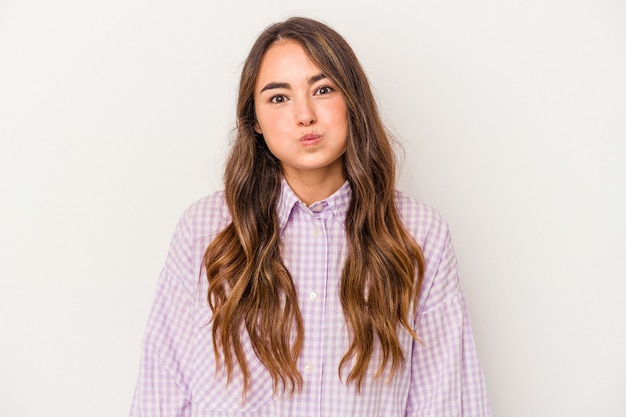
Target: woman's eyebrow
{"type": "Point", "coordinates": [274, 85]}
{"type": "Point", "coordinates": [316, 78]}
{"type": "Point", "coordinates": [271, 86]}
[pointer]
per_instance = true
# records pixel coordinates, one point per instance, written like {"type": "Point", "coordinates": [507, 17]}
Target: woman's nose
{"type": "Point", "coordinates": [305, 114]}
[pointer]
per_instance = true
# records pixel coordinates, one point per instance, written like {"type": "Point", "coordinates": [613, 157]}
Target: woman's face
{"type": "Point", "coordinates": [300, 113]}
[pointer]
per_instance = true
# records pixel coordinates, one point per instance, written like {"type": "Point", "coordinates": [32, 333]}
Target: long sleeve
{"type": "Point", "coordinates": [161, 388]}
{"type": "Point", "coordinates": [446, 377]}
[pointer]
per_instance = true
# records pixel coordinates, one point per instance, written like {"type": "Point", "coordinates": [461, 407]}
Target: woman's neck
{"type": "Point", "coordinates": [311, 187]}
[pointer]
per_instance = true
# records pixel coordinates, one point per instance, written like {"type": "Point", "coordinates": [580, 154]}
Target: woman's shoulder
{"type": "Point", "coordinates": [422, 221]}
{"type": "Point", "coordinates": [207, 215]}
{"type": "Point", "coordinates": [431, 232]}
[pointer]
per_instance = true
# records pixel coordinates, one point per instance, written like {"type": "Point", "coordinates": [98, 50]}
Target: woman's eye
{"type": "Point", "coordinates": [278, 99]}
{"type": "Point", "coordinates": [324, 90]}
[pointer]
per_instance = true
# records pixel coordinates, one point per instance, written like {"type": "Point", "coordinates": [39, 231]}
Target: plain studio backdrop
{"type": "Point", "coordinates": [116, 115]}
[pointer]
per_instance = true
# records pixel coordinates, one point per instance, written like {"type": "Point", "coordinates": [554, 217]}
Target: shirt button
{"type": "Point", "coordinates": [308, 367]}
{"type": "Point", "coordinates": [313, 295]}
{"type": "Point", "coordinates": [317, 209]}
{"type": "Point", "coordinates": [316, 232]}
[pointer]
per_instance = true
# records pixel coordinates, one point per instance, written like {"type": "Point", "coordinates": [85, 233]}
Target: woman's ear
{"type": "Point", "coordinates": [257, 128]}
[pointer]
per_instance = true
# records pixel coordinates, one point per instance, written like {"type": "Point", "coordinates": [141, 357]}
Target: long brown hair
{"type": "Point", "coordinates": [249, 286]}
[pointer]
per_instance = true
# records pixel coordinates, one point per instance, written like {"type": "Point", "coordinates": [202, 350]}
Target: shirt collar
{"type": "Point", "coordinates": [337, 203]}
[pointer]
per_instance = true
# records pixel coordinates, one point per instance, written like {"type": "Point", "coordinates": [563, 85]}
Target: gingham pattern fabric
{"type": "Point", "coordinates": [441, 376]}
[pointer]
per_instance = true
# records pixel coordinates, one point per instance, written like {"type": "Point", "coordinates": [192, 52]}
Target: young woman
{"type": "Point", "coordinates": [309, 286]}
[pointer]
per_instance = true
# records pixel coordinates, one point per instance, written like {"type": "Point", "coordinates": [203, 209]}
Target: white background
{"type": "Point", "coordinates": [116, 115]}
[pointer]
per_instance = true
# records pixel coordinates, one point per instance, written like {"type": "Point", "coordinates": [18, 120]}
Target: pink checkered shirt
{"type": "Point", "coordinates": [440, 377]}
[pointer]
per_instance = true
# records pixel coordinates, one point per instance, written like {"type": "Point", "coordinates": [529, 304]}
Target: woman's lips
{"type": "Point", "coordinates": [310, 139]}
